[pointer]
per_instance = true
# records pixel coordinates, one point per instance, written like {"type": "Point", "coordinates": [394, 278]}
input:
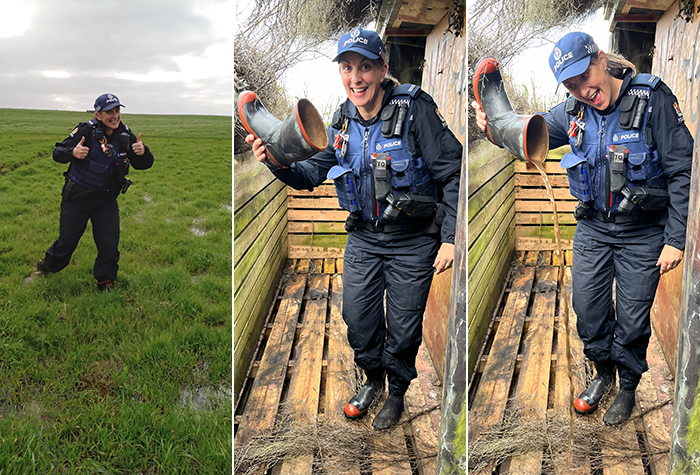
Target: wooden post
{"type": "Point", "coordinates": [452, 456]}
{"type": "Point", "coordinates": [684, 444]}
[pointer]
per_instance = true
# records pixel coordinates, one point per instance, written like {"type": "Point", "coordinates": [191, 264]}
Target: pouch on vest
{"type": "Point", "coordinates": [578, 172]}
{"type": "Point", "coordinates": [381, 164]}
{"type": "Point", "coordinates": [618, 167]}
{"type": "Point", "coordinates": [388, 118]}
{"type": "Point", "coordinates": [346, 188]}
{"type": "Point", "coordinates": [628, 107]}
{"type": "Point", "coordinates": [642, 169]}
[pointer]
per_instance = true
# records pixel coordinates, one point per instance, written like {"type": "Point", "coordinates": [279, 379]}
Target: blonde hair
{"type": "Point", "coordinates": [617, 65]}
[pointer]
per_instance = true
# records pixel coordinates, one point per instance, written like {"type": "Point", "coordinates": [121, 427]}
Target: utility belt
{"type": "Point", "coordinates": [584, 211]}
{"type": "Point", "coordinates": [72, 191]}
{"type": "Point", "coordinates": [430, 224]}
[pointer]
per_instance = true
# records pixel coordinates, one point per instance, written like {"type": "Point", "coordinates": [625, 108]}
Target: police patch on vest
{"type": "Point", "coordinates": [679, 113]}
{"type": "Point", "coordinates": [74, 131]}
{"type": "Point", "coordinates": [629, 136]}
{"type": "Point", "coordinates": [384, 146]}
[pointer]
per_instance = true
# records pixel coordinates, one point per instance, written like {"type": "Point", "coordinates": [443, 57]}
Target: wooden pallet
{"type": "Point", "coordinates": [304, 363]}
{"type": "Point", "coordinates": [523, 371]}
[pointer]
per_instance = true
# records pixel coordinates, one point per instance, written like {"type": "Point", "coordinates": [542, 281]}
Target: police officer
{"type": "Point", "coordinates": [396, 167]}
{"type": "Point", "coordinates": [100, 152]}
{"type": "Point", "coordinates": [630, 169]}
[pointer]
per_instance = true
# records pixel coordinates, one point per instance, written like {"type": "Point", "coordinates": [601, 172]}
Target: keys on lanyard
{"type": "Point", "coordinates": [576, 129]}
{"type": "Point", "coordinates": [341, 139]}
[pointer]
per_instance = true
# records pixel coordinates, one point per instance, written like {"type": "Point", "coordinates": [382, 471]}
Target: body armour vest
{"type": "Point", "coordinates": [96, 171]}
{"type": "Point", "coordinates": [589, 166]}
{"type": "Point", "coordinates": [354, 175]}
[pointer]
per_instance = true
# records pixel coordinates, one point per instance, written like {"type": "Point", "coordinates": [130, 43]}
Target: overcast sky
{"type": "Point", "coordinates": [157, 56]}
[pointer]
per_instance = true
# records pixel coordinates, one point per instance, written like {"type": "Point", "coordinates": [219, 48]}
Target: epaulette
{"type": "Point", "coordinates": [645, 79]}
{"type": "Point", "coordinates": [406, 90]}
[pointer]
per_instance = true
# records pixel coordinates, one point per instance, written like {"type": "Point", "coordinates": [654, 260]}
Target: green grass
{"type": "Point", "coordinates": [137, 380]}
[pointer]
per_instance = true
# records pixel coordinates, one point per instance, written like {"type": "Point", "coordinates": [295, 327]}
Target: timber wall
{"type": "Point", "coordinates": [445, 79]}
{"type": "Point", "coordinates": [490, 237]}
{"type": "Point", "coordinates": [677, 62]}
{"type": "Point", "coordinates": [534, 218]}
{"type": "Point", "coordinates": [260, 250]}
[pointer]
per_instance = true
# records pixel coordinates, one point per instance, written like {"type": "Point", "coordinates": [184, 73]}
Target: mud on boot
{"type": "Point", "coordinates": [390, 413]}
{"type": "Point", "coordinates": [359, 404]}
{"type": "Point", "coordinates": [588, 400]}
{"type": "Point", "coordinates": [621, 408]}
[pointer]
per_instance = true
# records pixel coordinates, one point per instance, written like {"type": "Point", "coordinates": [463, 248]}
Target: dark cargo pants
{"type": "Point", "coordinates": [104, 214]}
{"type": "Point", "coordinates": [628, 254]}
{"type": "Point", "coordinates": [400, 263]}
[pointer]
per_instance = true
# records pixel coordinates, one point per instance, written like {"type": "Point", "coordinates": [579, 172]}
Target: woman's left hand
{"type": "Point", "coordinates": [669, 259]}
{"type": "Point", "coordinates": [444, 258]}
{"type": "Point", "coordinates": [139, 148]}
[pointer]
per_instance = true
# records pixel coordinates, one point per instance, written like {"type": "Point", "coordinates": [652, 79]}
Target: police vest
{"type": "Point", "coordinates": [354, 174]}
{"type": "Point", "coordinates": [588, 167]}
{"type": "Point", "coordinates": [96, 171]}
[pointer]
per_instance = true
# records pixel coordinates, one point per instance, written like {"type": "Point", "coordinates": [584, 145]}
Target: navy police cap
{"type": "Point", "coordinates": [107, 102]}
{"type": "Point", "coordinates": [365, 42]}
{"type": "Point", "coordinates": [572, 55]}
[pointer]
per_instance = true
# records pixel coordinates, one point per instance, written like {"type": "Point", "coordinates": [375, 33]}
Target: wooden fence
{"type": "Point", "coordinates": [260, 251]}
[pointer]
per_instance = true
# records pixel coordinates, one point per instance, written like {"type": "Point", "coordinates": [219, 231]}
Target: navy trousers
{"type": "Point", "coordinates": [103, 212]}
{"type": "Point", "coordinates": [628, 254]}
{"type": "Point", "coordinates": [400, 264]}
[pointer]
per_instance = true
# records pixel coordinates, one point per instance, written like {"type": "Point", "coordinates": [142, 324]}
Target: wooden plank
{"type": "Point", "coordinates": [315, 227]}
{"type": "Point", "coordinates": [329, 266]}
{"type": "Point", "coordinates": [316, 266]}
{"type": "Point", "coordinates": [489, 233]}
{"type": "Point", "coordinates": [544, 218]}
{"type": "Point", "coordinates": [563, 383]}
{"type": "Point", "coordinates": [243, 241]}
{"type": "Point", "coordinates": [552, 168]}
{"type": "Point", "coordinates": [479, 198]}
{"type": "Point", "coordinates": [531, 244]}
{"type": "Point", "coordinates": [657, 435]}
{"type": "Point", "coordinates": [305, 384]}
{"type": "Point", "coordinates": [271, 233]}
{"type": "Point", "coordinates": [339, 265]}
{"type": "Point", "coordinates": [303, 266]}
{"type": "Point", "coordinates": [316, 215]}
{"type": "Point", "coordinates": [490, 400]}
{"type": "Point", "coordinates": [544, 206]}
{"type": "Point", "coordinates": [306, 252]}
{"type": "Point", "coordinates": [557, 181]}
{"type": "Point", "coordinates": [503, 199]}
{"type": "Point", "coordinates": [530, 258]}
{"type": "Point", "coordinates": [620, 449]}
{"type": "Point", "coordinates": [252, 208]}
{"type": "Point", "coordinates": [391, 464]}
{"type": "Point", "coordinates": [314, 203]}
{"type": "Point", "coordinates": [560, 194]}
{"type": "Point", "coordinates": [340, 380]}
{"type": "Point", "coordinates": [327, 188]}
{"type": "Point", "coordinates": [261, 408]}
{"type": "Point", "coordinates": [421, 430]}
{"type": "Point", "coordinates": [533, 384]}
{"type": "Point", "coordinates": [485, 161]}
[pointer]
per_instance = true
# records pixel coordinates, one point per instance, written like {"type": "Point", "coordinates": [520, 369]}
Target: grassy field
{"type": "Point", "coordinates": [137, 380]}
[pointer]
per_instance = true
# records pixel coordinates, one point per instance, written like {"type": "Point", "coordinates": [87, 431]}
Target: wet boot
{"type": "Point", "coordinates": [359, 404]}
{"type": "Point", "coordinates": [390, 413]}
{"type": "Point", "coordinates": [588, 400]}
{"type": "Point", "coordinates": [621, 408]}
{"type": "Point", "coordinates": [300, 136]}
{"type": "Point", "coordinates": [525, 136]}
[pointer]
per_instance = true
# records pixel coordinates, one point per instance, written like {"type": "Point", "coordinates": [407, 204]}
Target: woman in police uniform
{"type": "Point", "coordinates": [630, 169]}
{"type": "Point", "coordinates": [391, 155]}
{"type": "Point", "coordinates": [100, 152]}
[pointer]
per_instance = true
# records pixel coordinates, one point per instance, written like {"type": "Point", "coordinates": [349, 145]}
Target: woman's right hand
{"type": "Point", "coordinates": [480, 115]}
{"type": "Point", "coordinates": [258, 148]}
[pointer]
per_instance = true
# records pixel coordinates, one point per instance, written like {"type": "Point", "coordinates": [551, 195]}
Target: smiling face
{"type": "Point", "coordinates": [362, 79]}
{"type": "Point", "coordinates": [111, 119]}
{"type": "Point", "coordinates": [595, 86]}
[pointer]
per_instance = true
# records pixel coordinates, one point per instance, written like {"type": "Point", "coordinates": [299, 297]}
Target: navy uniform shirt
{"type": "Point", "coordinates": [429, 137]}
{"type": "Point", "coordinates": [665, 131]}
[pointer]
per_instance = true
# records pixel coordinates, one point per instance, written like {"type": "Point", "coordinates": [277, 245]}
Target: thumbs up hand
{"type": "Point", "coordinates": [80, 151]}
{"type": "Point", "coordinates": [139, 148]}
